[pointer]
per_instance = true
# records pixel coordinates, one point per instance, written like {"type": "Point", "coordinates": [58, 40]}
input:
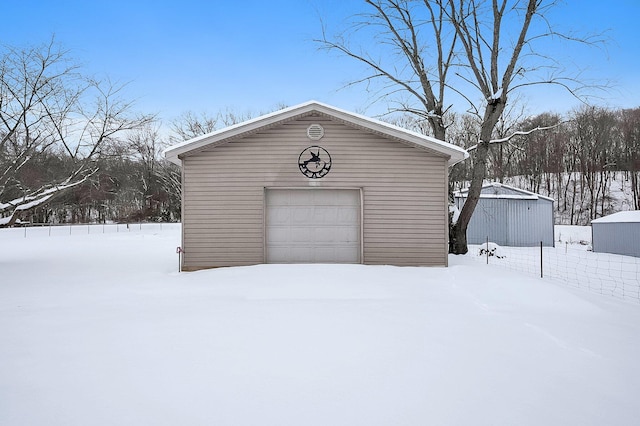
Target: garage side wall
{"type": "Point", "coordinates": [617, 238]}
{"type": "Point", "coordinates": [511, 222]}
{"type": "Point", "coordinates": [404, 210]}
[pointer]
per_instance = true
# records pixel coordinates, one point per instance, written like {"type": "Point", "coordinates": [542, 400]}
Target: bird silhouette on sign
{"type": "Point", "coordinates": [315, 158]}
{"type": "Point", "coordinates": [315, 166]}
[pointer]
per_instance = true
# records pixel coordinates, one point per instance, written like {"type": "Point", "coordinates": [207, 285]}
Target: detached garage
{"type": "Point", "coordinates": [618, 233]}
{"type": "Point", "coordinates": [311, 226]}
{"type": "Point", "coordinates": [509, 216]}
{"type": "Point", "coordinates": [314, 184]}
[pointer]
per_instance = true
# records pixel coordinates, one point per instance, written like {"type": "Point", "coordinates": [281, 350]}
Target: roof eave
{"type": "Point", "coordinates": [174, 152]}
{"type": "Point", "coordinates": [454, 153]}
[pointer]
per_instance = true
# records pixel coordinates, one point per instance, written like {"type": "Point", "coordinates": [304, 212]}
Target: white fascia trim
{"type": "Point", "coordinates": [526, 195]}
{"type": "Point", "coordinates": [627, 216]}
{"type": "Point", "coordinates": [455, 153]}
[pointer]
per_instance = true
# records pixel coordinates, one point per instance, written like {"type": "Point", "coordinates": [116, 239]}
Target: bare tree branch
{"type": "Point", "coordinates": [481, 50]}
{"type": "Point", "coordinates": [424, 81]}
{"type": "Point", "coordinates": [45, 107]}
{"type": "Point", "coordinates": [518, 133]}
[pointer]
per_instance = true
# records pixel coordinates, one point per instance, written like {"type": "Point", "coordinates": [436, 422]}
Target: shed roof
{"type": "Point", "coordinates": [502, 191]}
{"type": "Point", "coordinates": [620, 217]}
{"type": "Point", "coordinates": [454, 153]}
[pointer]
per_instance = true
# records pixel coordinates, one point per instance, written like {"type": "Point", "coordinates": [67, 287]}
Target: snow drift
{"type": "Point", "coordinates": [102, 330]}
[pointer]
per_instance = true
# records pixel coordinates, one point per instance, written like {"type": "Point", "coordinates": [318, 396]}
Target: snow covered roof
{"type": "Point", "coordinates": [620, 217]}
{"type": "Point", "coordinates": [455, 153]}
{"type": "Point", "coordinates": [502, 191]}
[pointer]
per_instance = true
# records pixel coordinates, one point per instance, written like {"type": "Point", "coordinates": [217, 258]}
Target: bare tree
{"type": "Point", "coordinates": [505, 128]}
{"type": "Point", "coordinates": [46, 106]}
{"type": "Point", "coordinates": [596, 130]}
{"type": "Point", "coordinates": [145, 146]}
{"type": "Point", "coordinates": [190, 125]}
{"type": "Point", "coordinates": [419, 60]}
{"type": "Point", "coordinates": [540, 155]}
{"type": "Point", "coordinates": [480, 51]}
{"type": "Point", "coordinates": [158, 179]}
{"type": "Point", "coordinates": [630, 129]}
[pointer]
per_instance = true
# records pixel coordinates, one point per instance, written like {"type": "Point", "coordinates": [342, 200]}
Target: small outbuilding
{"type": "Point", "coordinates": [509, 216]}
{"type": "Point", "coordinates": [618, 233]}
{"type": "Point", "coordinates": [314, 184]}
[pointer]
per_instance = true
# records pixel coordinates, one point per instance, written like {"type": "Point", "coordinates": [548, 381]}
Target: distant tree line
{"type": "Point", "coordinates": [575, 159]}
{"type": "Point", "coordinates": [131, 181]}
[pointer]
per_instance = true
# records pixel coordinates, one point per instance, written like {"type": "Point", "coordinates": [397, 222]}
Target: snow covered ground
{"type": "Point", "coordinates": [101, 329]}
{"type": "Point", "coordinates": [571, 262]}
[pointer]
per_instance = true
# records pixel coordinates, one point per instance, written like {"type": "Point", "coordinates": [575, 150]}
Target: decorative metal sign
{"type": "Point", "coordinates": [314, 162]}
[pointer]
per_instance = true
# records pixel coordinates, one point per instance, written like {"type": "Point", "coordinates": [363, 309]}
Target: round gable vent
{"type": "Point", "coordinates": [315, 132]}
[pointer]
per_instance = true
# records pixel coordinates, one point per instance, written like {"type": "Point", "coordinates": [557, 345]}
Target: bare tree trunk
{"type": "Point", "coordinates": [635, 188]}
{"type": "Point", "coordinates": [481, 41]}
{"type": "Point", "coordinates": [458, 237]}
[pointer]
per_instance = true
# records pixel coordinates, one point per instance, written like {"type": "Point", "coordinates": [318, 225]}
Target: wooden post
{"type": "Point", "coordinates": [541, 273]}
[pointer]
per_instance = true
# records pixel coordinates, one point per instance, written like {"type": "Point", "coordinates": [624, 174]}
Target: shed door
{"type": "Point", "coordinates": [312, 226]}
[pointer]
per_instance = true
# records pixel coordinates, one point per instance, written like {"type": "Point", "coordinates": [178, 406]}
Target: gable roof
{"type": "Point", "coordinates": [454, 153]}
{"type": "Point", "coordinates": [502, 191]}
{"type": "Point", "coordinates": [630, 216]}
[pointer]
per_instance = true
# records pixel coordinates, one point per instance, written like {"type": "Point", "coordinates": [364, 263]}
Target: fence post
{"type": "Point", "coordinates": [179, 251]}
{"type": "Point", "coordinates": [487, 249]}
{"type": "Point", "coordinates": [541, 273]}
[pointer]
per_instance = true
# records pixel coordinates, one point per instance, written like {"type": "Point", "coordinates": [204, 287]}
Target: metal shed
{"type": "Point", "coordinates": [618, 233]}
{"type": "Point", "coordinates": [509, 216]}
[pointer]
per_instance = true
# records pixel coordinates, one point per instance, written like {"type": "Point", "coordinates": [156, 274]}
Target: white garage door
{"type": "Point", "coordinates": [313, 226]}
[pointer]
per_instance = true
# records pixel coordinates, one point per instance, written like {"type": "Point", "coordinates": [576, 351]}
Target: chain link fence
{"type": "Point", "coordinates": [56, 230]}
{"type": "Point", "coordinates": [575, 266]}
{"type": "Point", "coordinates": [571, 264]}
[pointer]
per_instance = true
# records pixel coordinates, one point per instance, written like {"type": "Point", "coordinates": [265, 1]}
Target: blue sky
{"type": "Point", "coordinates": [255, 55]}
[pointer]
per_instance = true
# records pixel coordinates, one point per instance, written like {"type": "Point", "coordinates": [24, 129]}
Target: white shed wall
{"type": "Point", "coordinates": [511, 222]}
{"type": "Point", "coordinates": [617, 238]}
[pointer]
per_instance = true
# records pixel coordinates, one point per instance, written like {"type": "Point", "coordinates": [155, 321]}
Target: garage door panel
{"type": "Point", "coordinates": [303, 215]}
{"type": "Point", "coordinates": [351, 235]}
{"type": "Point", "coordinates": [323, 214]}
{"type": "Point", "coordinates": [342, 198]}
{"type": "Point", "coordinates": [280, 198]}
{"type": "Point", "coordinates": [278, 235]}
{"type": "Point", "coordinates": [302, 236]}
{"type": "Point", "coordinates": [347, 215]}
{"type": "Point", "coordinates": [281, 217]}
{"type": "Point", "coordinates": [313, 226]}
{"type": "Point", "coordinates": [349, 256]}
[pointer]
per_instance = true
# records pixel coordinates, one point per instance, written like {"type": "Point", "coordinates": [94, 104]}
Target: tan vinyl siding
{"type": "Point", "coordinates": [404, 193]}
